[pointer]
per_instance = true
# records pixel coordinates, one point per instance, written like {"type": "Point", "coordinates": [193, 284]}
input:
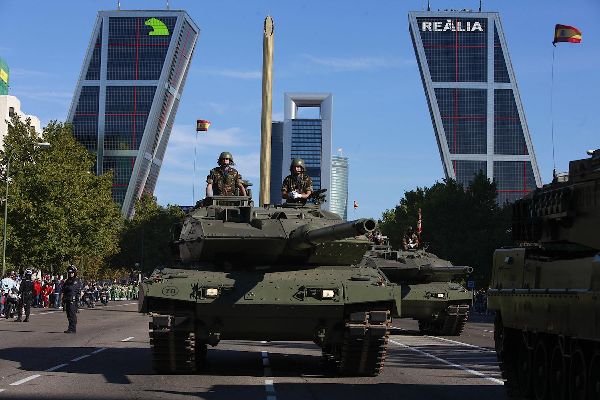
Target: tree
{"type": "Point", "coordinates": [58, 211]}
{"type": "Point", "coordinates": [147, 236]}
{"type": "Point", "coordinates": [463, 226]}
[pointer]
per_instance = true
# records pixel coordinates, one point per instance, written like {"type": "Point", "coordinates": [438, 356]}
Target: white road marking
{"type": "Point", "coordinates": [263, 341]}
{"type": "Point", "coordinates": [473, 372]}
{"type": "Point", "coordinates": [265, 362]}
{"type": "Point", "coordinates": [56, 367]}
{"type": "Point", "coordinates": [2, 390]}
{"type": "Point", "coordinates": [47, 312]}
{"type": "Point", "coordinates": [127, 339]}
{"type": "Point", "coordinates": [461, 343]}
{"type": "Point", "coordinates": [269, 386]}
{"type": "Point", "coordinates": [80, 358]}
{"type": "Point", "coordinates": [99, 350]}
{"type": "Point", "coordinates": [29, 378]}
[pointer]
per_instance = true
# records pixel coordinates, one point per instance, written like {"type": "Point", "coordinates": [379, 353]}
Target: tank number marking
{"type": "Point", "coordinates": [170, 291]}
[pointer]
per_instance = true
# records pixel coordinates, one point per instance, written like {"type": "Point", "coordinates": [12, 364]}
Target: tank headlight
{"type": "Point", "coordinates": [212, 292]}
{"type": "Point", "coordinates": [328, 294]}
{"type": "Point", "coordinates": [441, 295]}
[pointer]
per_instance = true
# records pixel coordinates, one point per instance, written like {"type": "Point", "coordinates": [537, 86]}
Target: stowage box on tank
{"type": "Point", "coordinates": [430, 293]}
{"type": "Point", "coordinates": [546, 293]}
{"type": "Point", "coordinates": [270, 273]}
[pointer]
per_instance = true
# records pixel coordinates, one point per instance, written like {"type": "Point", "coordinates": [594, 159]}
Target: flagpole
{"type": "Point", "coordinates": [552, 113]}
{"type": "Point", "coordinates": [194, 183]}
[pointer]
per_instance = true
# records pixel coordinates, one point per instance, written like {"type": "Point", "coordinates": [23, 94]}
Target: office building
{"type": "Point", "coordinates": [338, 192]}
{"type": "Point", "coordinates": [276, 162]}
{"type": "Point", "coordinates": [308, 138]}
{"type": "Point", "coordinates": [473, 99]}
{"type": "Point", "coordinates": [11, 105]}
{"type": "Point", "coordinates": [4, 75]}
{"type": "Point", "coordinates": [128, 92]}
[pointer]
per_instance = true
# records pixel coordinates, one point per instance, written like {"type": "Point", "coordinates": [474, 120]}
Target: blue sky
{"type": "Point", "coordinates": [358, 50]}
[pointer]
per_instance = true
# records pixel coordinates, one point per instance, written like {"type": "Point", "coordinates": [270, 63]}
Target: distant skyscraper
{"type": "Point", "coordinates": [338, 193]}
{"type": "Point", "coordinates": [309, 138]}
{"type": "Point", "coordinates": [473, 99]}
{"type": "Point", "coordinates": [276, 161]}
{"type": "Point", "coordinates": [4, 75]}
{"type": "Point", "coordinates": [128, 92]}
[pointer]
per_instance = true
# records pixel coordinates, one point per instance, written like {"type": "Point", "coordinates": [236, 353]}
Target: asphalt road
{"type": "Point", "coordinates": [109, 358]}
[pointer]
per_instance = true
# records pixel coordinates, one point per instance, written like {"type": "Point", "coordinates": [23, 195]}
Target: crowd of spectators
{"type": "Point", "coordinates": [47, 289]}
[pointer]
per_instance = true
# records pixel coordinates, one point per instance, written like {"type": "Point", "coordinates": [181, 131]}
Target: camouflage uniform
{"type": "Point", "coordinates": [301, 183]}
{"type": "Point", "coordinates": [225, 181]}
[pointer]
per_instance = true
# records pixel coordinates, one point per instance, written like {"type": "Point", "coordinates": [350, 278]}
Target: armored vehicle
{"type": "Point", "coordinates": [287, 272]}
{"type": "Point", "coordinates": [430, 293]}
{"type": "Point", "coordinates": [546, 292]}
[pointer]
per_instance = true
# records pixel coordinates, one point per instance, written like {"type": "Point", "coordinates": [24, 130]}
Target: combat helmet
{"type": "Point", "coordinates": [225, 155]}
{"type": "Point", "coordinates": [297, 162]}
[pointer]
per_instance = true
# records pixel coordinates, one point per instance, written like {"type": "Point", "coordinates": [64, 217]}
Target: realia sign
{"type": "Point", "coordinates": [451, 25]}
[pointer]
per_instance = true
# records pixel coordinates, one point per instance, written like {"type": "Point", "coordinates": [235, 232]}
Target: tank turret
{"type": "Point", "coordinates": [431, 292]}
{"type": "Point", "coordinates": [545, 291]}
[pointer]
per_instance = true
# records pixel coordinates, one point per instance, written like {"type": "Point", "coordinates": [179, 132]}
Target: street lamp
{"type": "Point", "coordinates": [42, 145]}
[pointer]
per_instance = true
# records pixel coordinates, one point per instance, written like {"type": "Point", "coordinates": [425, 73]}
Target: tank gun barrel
{"type": "Point", "coordinates": [305, 238]}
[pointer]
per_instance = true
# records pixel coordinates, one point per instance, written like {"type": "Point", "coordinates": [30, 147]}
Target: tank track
{"type": "Point", "coordinates": [174, 347]}
{"type": "Point", "coordinates": [449, 322]}
{"type": "Point", "coordinates": [364, 347]}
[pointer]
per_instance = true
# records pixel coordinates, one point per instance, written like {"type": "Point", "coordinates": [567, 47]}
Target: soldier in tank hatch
{"type": "Point", "coordinates": [410, 239]}
{"type": "Point", "coordinates": [297, 187]}
{"type": "Point", "coordinates": [225, 180]}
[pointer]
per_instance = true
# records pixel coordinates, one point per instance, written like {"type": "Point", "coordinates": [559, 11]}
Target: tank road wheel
{"type": "Point", "coordinates": [540, 370]}
{"type": "Point", "coordinates": [594, 377]}
{"type": "Point", "coordinates": [499, 336]}
{"type": "Point", "coordinates": [173, 347]}
{"type": "Point", "coordinates": [577, 376]}
{"type": "Point", "coordinates": [449, 322]}
{"type": "Point", "coordinates": [525, 369]}
{"type": "Point", "coordinates": [557, 374]}
{"type": "Point", "coordinates": [365, 343]}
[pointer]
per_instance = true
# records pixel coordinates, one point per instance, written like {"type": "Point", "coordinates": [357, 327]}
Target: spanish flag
{"type": "Point", "coordinates": [202, 125]}
{"type": "Point", "coordinates": [566, 33]}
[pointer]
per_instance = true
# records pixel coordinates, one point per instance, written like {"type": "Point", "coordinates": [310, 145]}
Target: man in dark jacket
{"type": "Point", "coordinates": [26, 293]}
{"type": "Point", "coordinates": [70, 293]}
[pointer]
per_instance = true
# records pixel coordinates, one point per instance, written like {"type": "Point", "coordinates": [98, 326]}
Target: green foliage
{"type": "Point", "coordinates": [146, 238]}
{"type": "Point", "coordinates": [463, 226]}
{"type": "Point", "coordinates": [58, 211]}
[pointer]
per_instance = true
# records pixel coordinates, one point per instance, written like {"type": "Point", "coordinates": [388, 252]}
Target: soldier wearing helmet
{"type": "Point", "coordinates": [70, 293]}
{"type": "Point", "coordinates": [26, 295]}
{"type": "Point", "coordinates": [410, 240]}
{"type": "Point", "coordinates": [297, 187]}
{"type": "Point", "coordinates": [224, 180]}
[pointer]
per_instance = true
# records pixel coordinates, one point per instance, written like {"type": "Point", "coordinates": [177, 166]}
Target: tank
{"type": "Point", "coordinates": [546, 291]}
{"type": "Point", "coordinates": [288, 272]}
{"type": "Point", "coordinates": [430, 291]}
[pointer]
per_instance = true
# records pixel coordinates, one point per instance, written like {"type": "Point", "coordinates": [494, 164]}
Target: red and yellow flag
{"type": "Point", "coordinates": [202, 125]}
{"type": "Point", "coordinates": [566, 33]}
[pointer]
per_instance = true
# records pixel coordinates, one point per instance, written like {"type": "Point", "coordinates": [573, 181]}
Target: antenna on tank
{"type": "Point", "coordinates": [428, 6]}
{"type": "Point", "coordinates": [168, 5]}
{"type": "Point", "coordinates": [119, 5]}
{"type": "Point", "coordinates": [480, 1]}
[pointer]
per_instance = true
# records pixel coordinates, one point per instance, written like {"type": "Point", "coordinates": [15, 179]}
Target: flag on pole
{"type": "Point", "coordinates": [566, 33]}
{"type": "Point", "coordinates": [202, 125]}
{"type": "Point", "coordinates": [419, 224]}
{"type": "Point", "coordinates": [355, 204]}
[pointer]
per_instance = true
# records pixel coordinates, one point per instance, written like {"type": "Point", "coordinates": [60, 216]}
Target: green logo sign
{"type": "Point", "coordinates": [158, 27]}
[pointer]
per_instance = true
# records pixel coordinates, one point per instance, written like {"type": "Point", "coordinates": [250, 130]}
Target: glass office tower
{"type": "Point", "coordinates": [309, 138]}
{"type": "Point", "coordinates": [338, 193]}
{"type": "Point", "coordinates": [128, 92]}
{"type": "Point", "coordinates": [473, 99]}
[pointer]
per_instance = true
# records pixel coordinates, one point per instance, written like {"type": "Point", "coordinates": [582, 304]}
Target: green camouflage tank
{"type": "Point", "coordinates": [546, 292]}
{"type": "Point", "coordinates": [430, 291]}
{"type": "Point", "coordinates": [287, 272]}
